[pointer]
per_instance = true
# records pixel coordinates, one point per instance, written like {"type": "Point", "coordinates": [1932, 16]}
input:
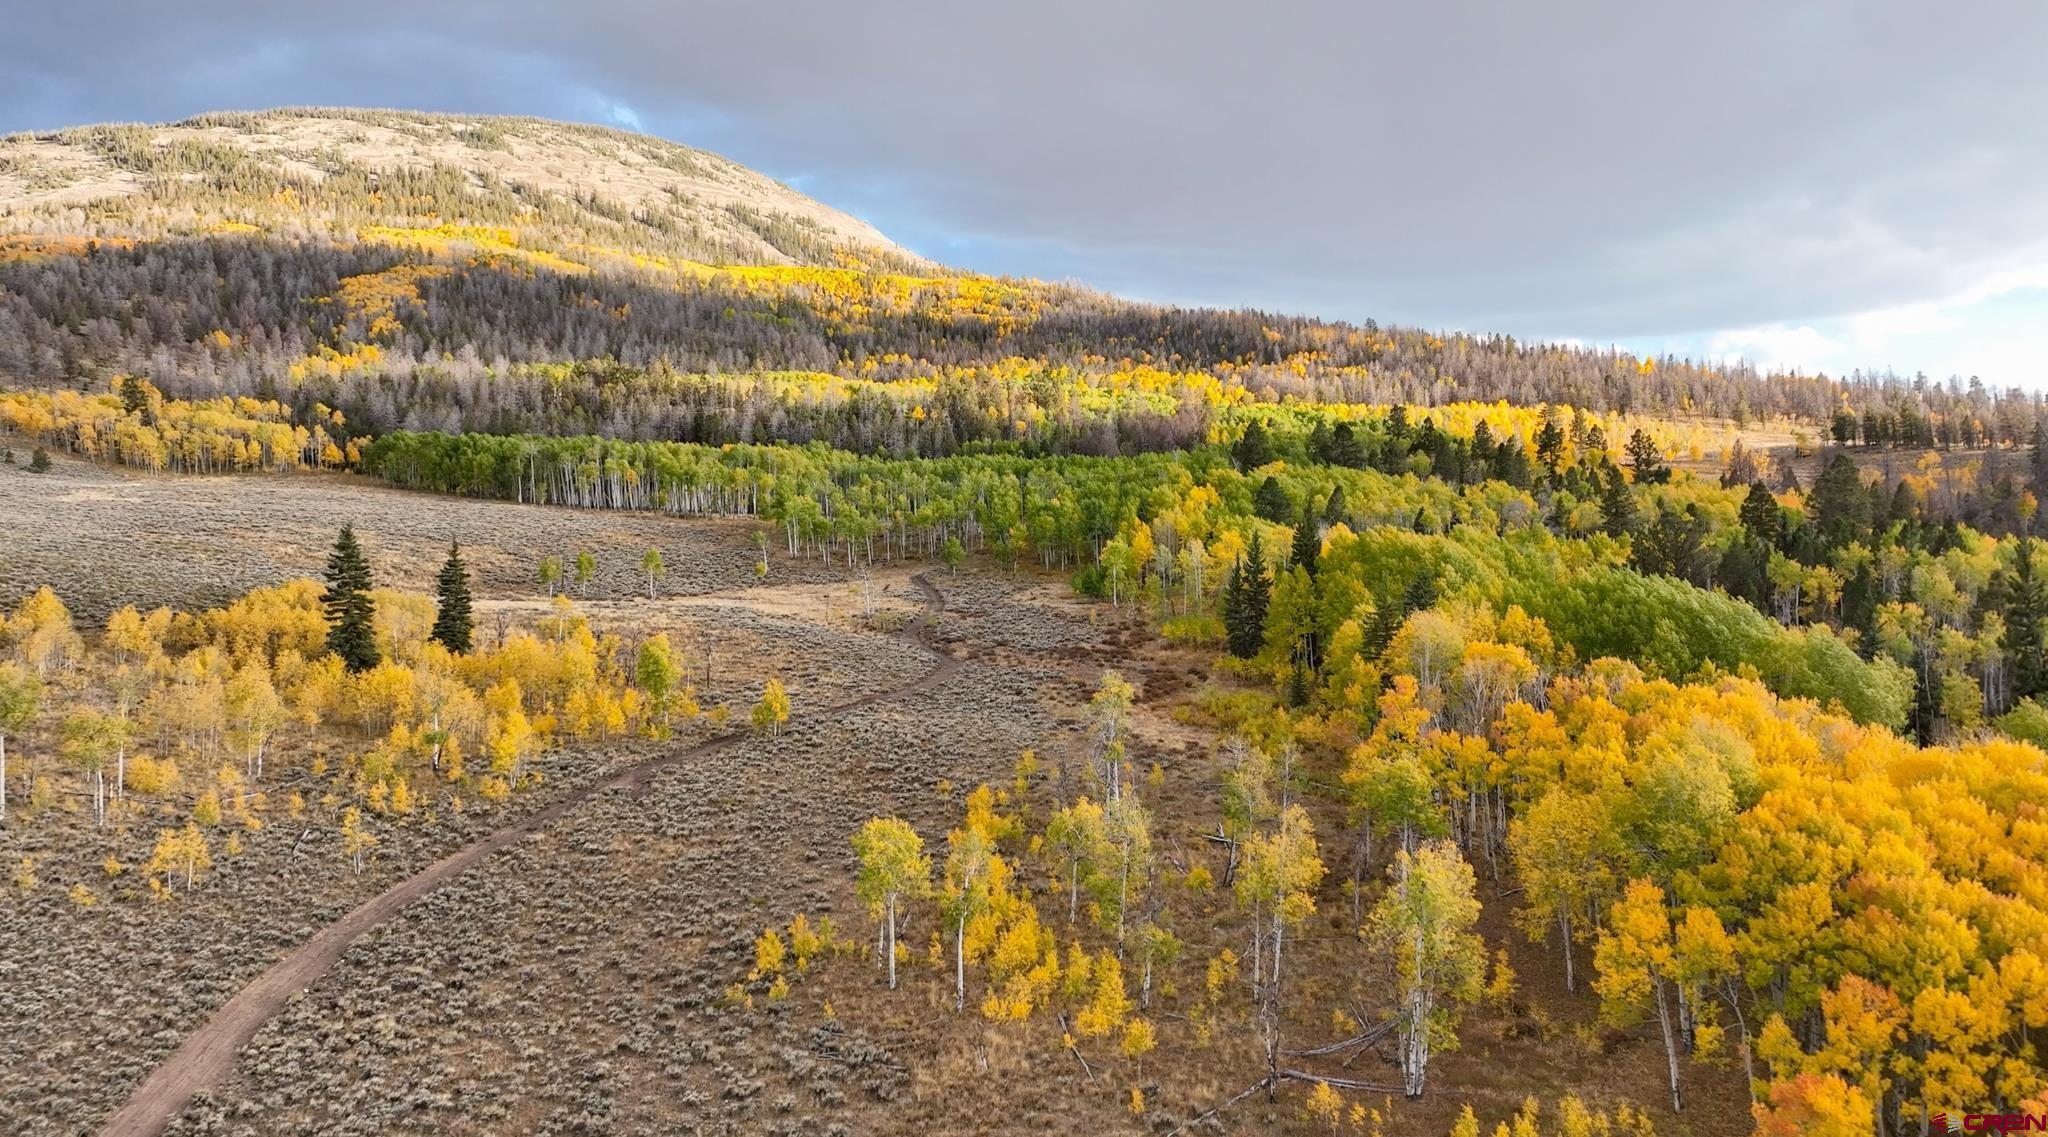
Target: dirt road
{"type": "Point", "coordinates": [207, 1056]}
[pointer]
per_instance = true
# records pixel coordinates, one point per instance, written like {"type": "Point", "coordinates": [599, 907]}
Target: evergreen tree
{"type": "Point", "coordinates": [1550, 440]}
{"type": "Point", "coordinates": [1595, 441]}
{"type": "Point", "coordinates": [1231, 606]}
{"type": "Point", "coordinates": [1617, 505]}
{"type": "Point", "coordinates": [1345, 449]}
{"type": "Point", "coordinates": [1673, 545]}
{"type": "Point", "coordinates": [2026, 607]}
{"type": "Point", "coordinates": [452, 621]}
{"type": "Point", "coordinates": [1272, 503]}
{"type": "Point", "coordinates": [1333, 509]}
{"type": "Point", "coordinates": [1244, 621]}
{"type": "Point", "coordinates": [1482, 447]}
{"type": "Point", "coordinates": [1297, 685]}
{"type": "Point", "coordinates": [1923, 717]}
{"type": "Point", "coordinates": [1744, 572]}
{"type": "Point", "coordinates": [1903, 507]}
{"type": "Point", "coordinates": [1253, 449]}
{"type": "Point", "coordinates": [135, 398]}
{"type": "Point", "coordinates": [351, 614]}
{"type": "Point", "coordinates": [1397, 428]}
{"type": "Point", "coordinates": [1511, 464]}
{"type": "Point", "coordinates": [1841, 507]}
{"type": "Point", "coordinates": [1762, 517]}
{"type": "Point", "coordinates": [1393, 457]}
{"type": "Point", "coordinates": [1308, 542]}
{"type": "Point", "coordinates": [1320, 440]}
{"type": "Point", "coordinates": [1645, 460]}
{"type": "Point", "coordinates": [1420, 595]}
{"type": "Point", "coordinates": [1859, 607]}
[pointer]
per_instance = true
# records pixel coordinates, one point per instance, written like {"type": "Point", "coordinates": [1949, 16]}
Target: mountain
{"type": "Point", "coordinates": [341, 170]}
{"type": "Point", "coordinates": [509, 275]}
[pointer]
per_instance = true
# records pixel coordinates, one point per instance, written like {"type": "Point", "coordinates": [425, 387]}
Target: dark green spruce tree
{"type": "Point", "coordinates": [1617, 505]}
{"type": "Point", "coordinates": [1254, 449]}
{"type": "Point", "coordinates": [1333, 509]}
{"type": "Point", "coordinates": [1419, 596]}
{"type": "Point", "coordinates": [1840, 505]}
{"type": "Point", "coordinates": [1319, 439]}
{"type": "Point", "coordinates": [2026, 607]}
{"type": "Point", "coordinates": [1761, 515]}
{"type": "Point", "coordinates": [1648, 464]}
{"type": "Point", "coordinates": [1271, 502]}
{"type": "Point", "coordinates": [452, 620]}
{"type": "Point", "coordinates": [1345, 449]}
{"type": "Point", "coordinates": [1245, 598]}
{"type": "Point", "coordinates": [1308, 540]}
{"type": "Point", "coordinates": [351, 614]}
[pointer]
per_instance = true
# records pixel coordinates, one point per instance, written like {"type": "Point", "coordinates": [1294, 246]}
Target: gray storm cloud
{"type": "Point", "coordinates": [1600, 170]}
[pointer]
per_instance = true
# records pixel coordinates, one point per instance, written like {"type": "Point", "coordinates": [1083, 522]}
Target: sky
{"type": "Point", "coordinates": [1813, 185]}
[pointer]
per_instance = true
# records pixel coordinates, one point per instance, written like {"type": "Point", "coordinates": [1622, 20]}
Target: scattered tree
{"type": "Point", "coordinates": [351, 613]}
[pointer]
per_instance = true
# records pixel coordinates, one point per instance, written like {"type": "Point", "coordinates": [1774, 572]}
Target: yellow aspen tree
{"type": "Point", "coordinates": [41, 633]}
{"type": "Point", "coordinates": [773, 710]}
{"type": "Point", "coordinates": [893, 869]}
{"type": "Point", "coordinates": [87, 739]}
{"type": "Point", "coordinates": [356, 842]}
{"type": "Point", "coordinates": [650, 563]}
{"type": "Point", "coordinates": [1635, 963]}
{"type": "Point", "coordinates": [21, 696]}
{"type": "Point", "coordinates": [511, 732]}
{"type": "Point", "coordinates": [178, 850]}
{"type": "Point", "coordinates": [656, 671]}
{"type": "Point", "coordinates": [253, 712]}
{"type": "Point", "coordinates": [969, 867]}
{"type": "Point", "coordinates": [1078, 836]}
{"type": "Point", "coordinates": [1425, 921]}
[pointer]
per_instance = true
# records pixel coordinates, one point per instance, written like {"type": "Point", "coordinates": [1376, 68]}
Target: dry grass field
{"type": "Point", "coordinates": [106, 537]}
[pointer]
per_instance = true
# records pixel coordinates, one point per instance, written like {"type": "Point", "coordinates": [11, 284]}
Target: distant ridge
{"type": "Point", "coordinates": [347, 168]}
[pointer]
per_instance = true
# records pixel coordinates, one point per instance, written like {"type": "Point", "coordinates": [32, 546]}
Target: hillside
{"type": "Point", "coordinates": [513, 274]}
{"type": "Point", "coordinates": [340, 171]}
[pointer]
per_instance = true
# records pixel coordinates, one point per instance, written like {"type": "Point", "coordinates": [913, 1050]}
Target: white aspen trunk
{"type": "Point", "coordinates": [1415, 1052]}
{"type": "Point", "coordinates": [960, 966]}
{"type": "Point", "coordinates": [1123, 901]}
{"type": "Point", "coordinates": [1415, 1055]}
{"type": "Point", "coordinates": [3, 778]}
{"type": "Point", "coordinates": [1564, 926]}
{"type": "Point", "coordinates": [1278, 929]}
{"type": "Point", "coordinates": [892, 943]}
{"type": "Point", "coordinates": [1258, 942]}
{"type": "Point", "coordinates": [1670, 1042]}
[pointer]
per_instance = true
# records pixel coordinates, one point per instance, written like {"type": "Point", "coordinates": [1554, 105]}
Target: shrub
{"type": "Point", "coordinates": [1193, 631]}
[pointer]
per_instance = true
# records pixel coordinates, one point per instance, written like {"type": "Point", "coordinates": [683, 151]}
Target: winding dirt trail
{"type": "Point", "coordinates": [207, 1056]}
